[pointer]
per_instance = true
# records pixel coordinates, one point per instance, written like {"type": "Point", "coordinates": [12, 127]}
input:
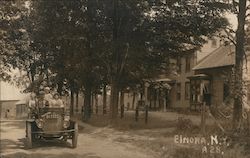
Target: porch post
{"type": "Point", "coordinates": [203, 118]}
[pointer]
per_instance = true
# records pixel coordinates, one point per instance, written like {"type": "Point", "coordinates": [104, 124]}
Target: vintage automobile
{"type": "Point", "coordinates": [51, 123]}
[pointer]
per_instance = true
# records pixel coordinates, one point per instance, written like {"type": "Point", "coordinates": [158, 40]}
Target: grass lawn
{"type": "Point", "coordinates": [158, 134]}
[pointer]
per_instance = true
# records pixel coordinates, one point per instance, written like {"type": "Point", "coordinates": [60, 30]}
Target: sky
{"type": "Point", "coordinates": [233, 20]}
{"type": "Point", "coordinates": [10, 92]}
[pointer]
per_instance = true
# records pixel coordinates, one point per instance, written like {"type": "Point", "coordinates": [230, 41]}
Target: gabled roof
{"type": "Point", "coordinates": [223, 56]}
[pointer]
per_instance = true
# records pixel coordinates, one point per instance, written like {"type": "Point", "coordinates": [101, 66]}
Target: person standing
{"type": "Point", "coordinates": [57, 101]}
{"type": "Point", "coordinates": [32, 105]}
{"type": "Point", "coordinates": [7, 113]}
{"type": "Point", "coordinates": [48, 96]}
{"type": "Point", "coordinates": [42, 102]}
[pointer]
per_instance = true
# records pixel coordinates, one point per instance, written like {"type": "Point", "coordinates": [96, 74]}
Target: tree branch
{"type": "Point", "coordinates": [248, 7]}
{"type": "Point", "coordinates": [125, 59]}
{"type": "Point", "coordinates": [229, 35]}
{"type": "Point", "coordinates": [248, 15]}
{"type": "Point", "coordinates": [235, 5]}
{"type": "Point", "coordinates": [245, 57]}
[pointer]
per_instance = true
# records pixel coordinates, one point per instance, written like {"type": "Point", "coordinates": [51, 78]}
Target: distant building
{"type": "Point", "coordinates": [179, 93]}
{"type": "Point", "coordinates": [173, 90]}
{"type": "Point", "coordinates": [218, 66]}
{"type": "Point", "coordinates": [9, 96]}
{"type": "Point", "coordinates": [212, 63]}
{"type": "Point", "coordinates": [180, 87]}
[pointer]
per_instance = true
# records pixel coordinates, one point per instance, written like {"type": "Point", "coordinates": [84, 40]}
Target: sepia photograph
{"type": "Point", "coordinates": [124, 78]}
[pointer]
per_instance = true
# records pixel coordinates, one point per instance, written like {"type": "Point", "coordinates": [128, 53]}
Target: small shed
{"type": "Point", "coordinates": [7, 109]}
{"type": "Point", "coordinates": [21, 109]}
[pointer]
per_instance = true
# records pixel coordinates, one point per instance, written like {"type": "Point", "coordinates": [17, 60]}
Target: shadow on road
{"type": "Point", "coordinates": [50, 155]}
{"type": "Point", "coordinates": [40, 149]}
{"type": "Point", "coordinates": [16, 124]}
{"type": "Point", "coordinates": [38, 144]}
{"type": "Point", "coordinates": [11, 144]}
{"type": "Point", "coordinates": [10, 125]}
{"type": "Point", "coordinates": [45, 144]}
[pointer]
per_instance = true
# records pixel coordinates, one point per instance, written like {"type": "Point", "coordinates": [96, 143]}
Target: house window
{"type": "Point", "coordinates": [178, 91]}
{"type": "Point", "coordinates": [188, 62]}
{"type": "Point", "coordinates": [178, 65]}
{"type": "Point", "coordinates": [187, 90]}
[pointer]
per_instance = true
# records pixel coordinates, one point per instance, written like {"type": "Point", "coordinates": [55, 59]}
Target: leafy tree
{"type": "Point", "coordinates": [239, 38]}
{"type": "Point", "coordinates": [12, 35]}
{"type": "Point", "coordinates": [147, 33]}
{"type": "Point", "coordinates": [93, 43]}
{"type": "Point", "coordinates": [240, 9]}
{"type": "Point", "coordinates": [73, 35]}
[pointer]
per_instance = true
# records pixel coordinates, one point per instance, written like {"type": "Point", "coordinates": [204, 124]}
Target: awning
{"type": "Point", "coordinates": [199, 77]}
{"type": "Point", "coordinates": [21, 102]}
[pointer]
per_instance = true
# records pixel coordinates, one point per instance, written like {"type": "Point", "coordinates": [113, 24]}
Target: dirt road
{"type": "Point", "coordinates": [91, 144]}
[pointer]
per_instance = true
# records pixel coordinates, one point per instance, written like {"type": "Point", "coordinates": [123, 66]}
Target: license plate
{"type": "Point", "coordinates": [52, 116]}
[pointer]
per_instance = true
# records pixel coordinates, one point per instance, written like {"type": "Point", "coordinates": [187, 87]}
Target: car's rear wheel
{"type": "Point", "coordinates": [75, 136]}
{"type": "Point", "coordinates": [29, 137]}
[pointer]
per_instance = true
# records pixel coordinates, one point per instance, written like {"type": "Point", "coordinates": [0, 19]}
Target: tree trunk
{"type": "Point", "coordinates": [122, 98]}
{"type": "Point", "coordinates": [122, 103]}
{"type": "Point", "coordinates": [150, 98]}
{"type": "Point", "coordinates": [92, 103]}
{"type": "Point", "coordinates": [203, 118]}
{"type": "Point", "coordinates": [150, 103]}
{"type": "Point", "coordinates": [238, 87]}
{"type": "Point", "coordinates": [155, 99]}
{"type": "Point", "coordinates": [72, 103]}
{"type": "Point", "coordinates": [77, 101]}
{"type": "Point", "coordinates": [60, 85]}
{"type": "Point", "coordinates": [133, 101]}
{"type": "Point", "coordinates": [166, 99]}
{"type": "Point", "coordinates": [159, 100]}
{"type": "Point", "coordinates": [104, 99]}
{"type": "Point", "coordinates": [87, 103]}
{"type": "Point", "coordinates": [96, 103]}
{"type": "Point", "coordinates": [114, 99]}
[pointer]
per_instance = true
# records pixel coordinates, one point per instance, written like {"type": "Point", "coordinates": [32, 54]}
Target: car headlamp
{"type": "Point", "coordinates": [66, 118]}
{"type": "Point", "coordinates": [66, 121]}
{"type": "Point", "coordinates": [65, 124]}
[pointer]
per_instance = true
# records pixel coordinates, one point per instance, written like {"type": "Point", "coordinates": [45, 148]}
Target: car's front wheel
{"type": "Point", "coordinates": [75, 136]}
{"type": "Point", "coordinates": [29, 138]}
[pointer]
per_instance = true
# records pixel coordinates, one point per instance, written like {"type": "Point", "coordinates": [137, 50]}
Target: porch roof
{"type": "Point", "coordinates": [199, 77]}
{"type": "Point", "coordinates": [160, 83]}
{"type": "Point", "coordinates": [223, 56]}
